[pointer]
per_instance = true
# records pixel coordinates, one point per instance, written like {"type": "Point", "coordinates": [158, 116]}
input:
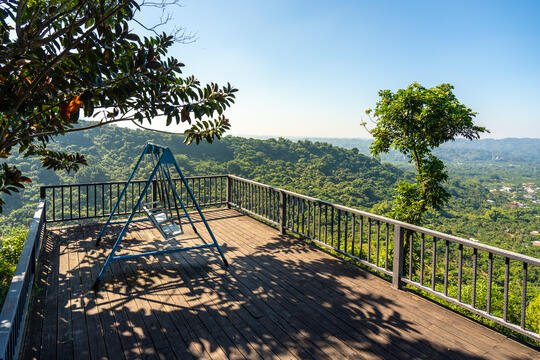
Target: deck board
{"type": "Point", "coordinates": [280, 298]}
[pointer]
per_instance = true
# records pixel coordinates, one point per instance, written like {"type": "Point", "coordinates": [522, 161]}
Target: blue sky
{"type": "Point", "coordinates": [311, 68]}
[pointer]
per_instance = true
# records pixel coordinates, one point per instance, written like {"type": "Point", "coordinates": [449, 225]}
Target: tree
{"type": "Point", "coordinates": [62, 57]}
{"type": "Point", "coordinates": [414, 121]}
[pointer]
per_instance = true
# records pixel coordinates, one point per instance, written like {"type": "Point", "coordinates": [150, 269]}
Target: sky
{"type": "Point", "coordinates": [312, 68]}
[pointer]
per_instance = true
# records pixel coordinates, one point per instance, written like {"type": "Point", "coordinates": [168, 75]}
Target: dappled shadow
{"type": "Point", "coordinates": [279, 298]}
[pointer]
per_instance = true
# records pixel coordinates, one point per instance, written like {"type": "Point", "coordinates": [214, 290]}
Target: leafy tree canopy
{"type": "Point", "coordinates": [60, 60]}
{"type": "Point", "coordinates": [414, 121]}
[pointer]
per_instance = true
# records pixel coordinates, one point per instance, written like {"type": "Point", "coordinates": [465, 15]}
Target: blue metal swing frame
{"type": "Point", "coordinates": [165, 158]}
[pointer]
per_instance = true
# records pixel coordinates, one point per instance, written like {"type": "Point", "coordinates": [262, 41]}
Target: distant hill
{"type": "Point", "coordinates": [509, 150]}
{"type": "Point", "coordinates": [313, 168]}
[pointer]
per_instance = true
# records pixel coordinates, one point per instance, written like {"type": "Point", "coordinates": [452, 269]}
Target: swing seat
{"type": "Point", "coordinates": [171, 230]}
{"type": "Point", "coordinates": [168, 228]}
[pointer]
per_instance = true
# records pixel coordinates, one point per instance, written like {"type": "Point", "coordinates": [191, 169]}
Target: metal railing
{"type": "Point", "coordinates": [459, 271]}
{"type": "Point", "coordinates": [14, 310]}
{"type": "Point", "coordinates": [483, 288]}
{"type": "Point", "coordinates": [96, 200]}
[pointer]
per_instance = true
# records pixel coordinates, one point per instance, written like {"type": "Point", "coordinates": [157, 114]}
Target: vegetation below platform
{"type": "Point", "coordinates": [332, 173]}
{"type": "Point", "coordinates": [11, 245]}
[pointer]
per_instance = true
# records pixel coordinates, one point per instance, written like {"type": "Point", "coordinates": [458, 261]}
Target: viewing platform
{"type": "Point", "coordinates": [281, 296]}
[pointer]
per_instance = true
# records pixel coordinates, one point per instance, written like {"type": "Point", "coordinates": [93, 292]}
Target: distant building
{"type": "Point", "coordinates": [507, 189]}
{"type": "Point", "coordinates": [535, 233]}
{"type": "Point", "coordinates": [536, 243]}
{"type": "Point", "coordinates": [491, 201]}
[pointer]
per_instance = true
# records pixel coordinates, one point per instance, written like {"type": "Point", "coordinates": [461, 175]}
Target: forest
{"type": "Point", "coordinates": [479, 208]}
{"type": "Point", "coordinates": [319, 169]}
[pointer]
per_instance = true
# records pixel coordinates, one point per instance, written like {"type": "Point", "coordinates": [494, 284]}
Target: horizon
{"type": "Point", "coordinates": [132, 127]}
{"type": "Point", "coordinates": [369, 138]}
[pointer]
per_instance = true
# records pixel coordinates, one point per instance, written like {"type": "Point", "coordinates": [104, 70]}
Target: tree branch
{"type": "Point", "coordinates": [156, 130]}
{"type": "Point", "coordinates": [18, 25]}
{"type": "Point", "coordinates": [53, 62]}
{"type": "Point", "coordinates": [53, 19]}
{"type": "Point", "coordinates": [49, 133]}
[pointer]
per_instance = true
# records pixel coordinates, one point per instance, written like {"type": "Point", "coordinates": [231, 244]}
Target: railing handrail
{"type": "Point", "coordinates": [73, 202]}
{"type": "Point", "coordinates": [123, 181]}
{"type": "Point", "coordinates": [13, 314]}
{"type": "Point", "coordinates": [472, 244]}
{"type": "Point", "coordinates": [437, 234]}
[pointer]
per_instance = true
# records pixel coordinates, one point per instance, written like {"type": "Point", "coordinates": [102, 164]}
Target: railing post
{"type": "Point", "coordinates": [398, 257]}
{"type": "Point", "coordinates": [154, 191]}
{"type": "Point", "coordinates": [229, 192]}
{"type": "Point", "coordinates": [282, 212]}
{"type": "Point", "coordinates": [42, 195]}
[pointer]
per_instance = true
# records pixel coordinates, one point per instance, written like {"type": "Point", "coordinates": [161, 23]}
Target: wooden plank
{"type": "Point", "coordinates": [65, 334]}
{"type": "Point", "coordinates": [166, 339]}
{"type": "Point", "coordinates": [81, 348]}
{"type": "Point", "coordinates": [334, 305]}
{"type": "Point", "coordinates": [253, 318]}
{"type": "Point", "coordinates": [113, 303]}
{"type": "Point", "coordinates": [225, 349]}
{"type": "Point", "coordinates": [213, 303]}
{"type": "Point", "coordinates": [286, 334]}
{"type": "Point", "coordinates": [94, 329]}
{"type": "Point", "coordinates": [135, 319]}
{"type": "Point", "coordinates": [257, 321]}
{"type": "Point", "coordinates": [106, 317]}
{"type": "Point", "coordinates": [49, 340]}
{"type": "Point", "coordinates": [150, 340]}
{"type": "Point", "coordinates": [32, 344]}
{"type": "Point", "coordinates": [301, 326]}
{"type": "Point", "coordinates": [118, 334]}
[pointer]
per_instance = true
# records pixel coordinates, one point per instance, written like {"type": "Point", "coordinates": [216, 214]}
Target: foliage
{"type": "Point", "coordinates": [414, 121]}
{"type": "Point", "coordinates": [63, 57]}
{"type": "Point", "coordinates": [533, 310]}
{"type": "Point", "coordinates": [11, 245]}
{"type": "Point", "coordinates": [313, 168]}
{"type": "Point", "coordinates": [332, 174]}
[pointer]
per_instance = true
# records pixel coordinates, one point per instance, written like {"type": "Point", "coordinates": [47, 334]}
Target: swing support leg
{"type": "Point", "coordinates": [181, 203]}
{"type": "Point", "coordinates": [102, 232]}
{"type": "Point", "coordinates": [225, 262]}
{"type": "Point", "coordinates": [110, 257]}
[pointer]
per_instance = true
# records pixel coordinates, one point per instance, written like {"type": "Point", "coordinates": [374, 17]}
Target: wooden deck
{"type": "Point", "coordinates": [279, 298]}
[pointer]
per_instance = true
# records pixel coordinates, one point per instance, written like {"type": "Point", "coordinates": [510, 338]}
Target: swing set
{"type": "Point", "coordinates": [159, 211]}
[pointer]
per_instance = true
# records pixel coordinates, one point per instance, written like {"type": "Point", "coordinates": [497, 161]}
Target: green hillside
{"type": "Point", "coordinates": [488, 160]}
{"type": "Point", "coordinates": [318, 169]}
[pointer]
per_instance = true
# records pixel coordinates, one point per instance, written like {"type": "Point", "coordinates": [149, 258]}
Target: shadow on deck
{"type": "Point", "coordinates": [279, 298]}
